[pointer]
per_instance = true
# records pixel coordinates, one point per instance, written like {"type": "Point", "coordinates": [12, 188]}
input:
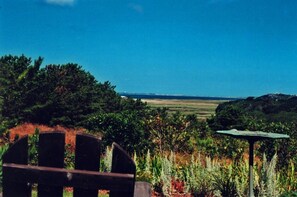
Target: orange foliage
{"type": "Point", "coordinates": [29, 128]}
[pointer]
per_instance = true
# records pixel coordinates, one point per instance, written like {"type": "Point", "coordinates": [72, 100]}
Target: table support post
{"type": "Point", "coordinates": [251, 165]}
{"type": "Point", "coordinates": [252, 137]}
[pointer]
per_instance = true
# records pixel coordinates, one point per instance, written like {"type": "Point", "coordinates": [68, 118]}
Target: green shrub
{"type": "Point", "coordinates": [125, 128]}
{"type": "Point", "coordinates": [69, 157]}
{"type": "Point", "coordinates": [289, 194]}
{"type": "Point", "coordinates": [33, 147]}
{"type": "Point", "coordinates": [106, 160]}
{"type": "Point", "coordinates": [3, 149]}
{"type": "Point", "coordinates": [175, 132]}
{"type": "Point", "coordinates": [198, 178]}
{"type": "Point", "coordinates": [288, 179]}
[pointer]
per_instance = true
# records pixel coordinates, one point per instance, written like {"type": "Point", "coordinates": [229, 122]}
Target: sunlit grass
{"type": "Point", "coordinates": [202, 108]}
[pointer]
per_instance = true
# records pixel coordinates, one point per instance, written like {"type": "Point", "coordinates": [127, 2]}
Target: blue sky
{"type": "Point", "coordinates": [231, 48]}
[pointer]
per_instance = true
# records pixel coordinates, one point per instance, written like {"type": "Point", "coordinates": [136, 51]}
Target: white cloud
{"type": "Point", "coordinates": [136, 7]}
{"type": "Point", "coordinates": [60, 2]}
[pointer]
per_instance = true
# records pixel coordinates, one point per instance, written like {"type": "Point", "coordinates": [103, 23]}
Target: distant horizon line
{"type": "Point", "coordinates": [184, 96]}
{"type": "Point", "coordinates": [175, 96]}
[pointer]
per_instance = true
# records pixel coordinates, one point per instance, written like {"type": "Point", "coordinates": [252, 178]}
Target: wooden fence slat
{"type": "Point", "coordinates": [122, 163]}
{"type": "Point", "coordinates": [51, 154]}
{"type": "Point", "coordinates": [70, 178]}
{"type": "Point", "coordinates": [51, 176]}
{"type": "Point", "coordinates": [87, 157]}
{"type": "Point", "coordinates": [18, 154]}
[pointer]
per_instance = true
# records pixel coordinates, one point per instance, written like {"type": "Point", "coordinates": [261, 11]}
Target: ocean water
{"type": "Point", "coordinates": [181, 97]}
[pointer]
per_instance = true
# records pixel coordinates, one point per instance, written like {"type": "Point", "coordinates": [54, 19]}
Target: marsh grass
{"type": "Point", "coordinates": [202, 108]}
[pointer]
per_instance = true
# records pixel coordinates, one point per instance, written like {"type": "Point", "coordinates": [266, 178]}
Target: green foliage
{"type": "Point", "coordinates": [285, 148]}
{"type": "Point", "coordinates": [69, 96]}
{"type": "Point", "coordinates": [224, 181]}
{"type": "Point", "coordinates": [3, 149]}
{"type": "Point", "coordinates": [144, 167]}
{"type": "Point", "coordinates": [289, 194]}
{"type": "Point", "coordinates": [203, 176]}
{"type": "Point", "coordinates": [56, 94]}
{"type": "Point", "coordinates": [17, 85]}
{"type": "Point", "coordinates": [125, 128]}
{"type": "Point", "coordinates": [240, 173]}
{"type": "Point", "coordinates": [4, 125]}
{"type": "Point", "coordinates": [106, 160]}
{"type": "Point", "coordinates": [198, 178]}
{"type": "Point", "coordinates": [268, 113]}
{"type": "Point", "coordinates": [228, 117]}
{"type": "Point", "coordinates": [168, 171]}
{"type": "Point", "coordinates": [69, 157]}
{"type": "Point", "coordinates": [202, 129]}
{"type": "Point", "coordinates": [33, 147]}
{"type": "Point", "coordinates": [268, 183]}
{"type": "Point", "coordinates": [65, 193]}
{"type": "Point", "coordinates": [288, 179]}
{"type": "Point", "coordinates": [271, 108]}
{"type": "Point", "coordinates": [171, 132]}
{"type": "Point", "coordinates": [137, 106]}
{"type": "Point", "coordinates": [160, 171]}
{"type": "Point", "coordinates": [207, 146]}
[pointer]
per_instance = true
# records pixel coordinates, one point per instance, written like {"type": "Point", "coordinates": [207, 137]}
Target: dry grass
{"type": "Point", "coordinates": [202, 108]}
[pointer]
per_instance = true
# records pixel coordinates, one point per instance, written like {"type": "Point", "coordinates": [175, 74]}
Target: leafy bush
{"type": "Point", "coordinates": [224, 181]}
{"type": "Point", "coordinates": [33, 147]}
{"type": "Point", "coordinates": [3, 149]}
{"type": "Point", "coordinates": [106, 160]}
{"type": "Point", "coordinates": [171, 132]}
{"type": "Point", "coordinates": [125, 128]}
{"type": "Point", "coordinates": [69, 157]}
{"type": "Point", "coordinates": [288, 179]}
{"type": "Point", "coordinates": [207, 146]}
{"type": "Point", "coordinates": [4, 127]}
{"type": "Point", "coordinates": [198, 179]}
{"type": "Point", "coordinates": [289, 194]}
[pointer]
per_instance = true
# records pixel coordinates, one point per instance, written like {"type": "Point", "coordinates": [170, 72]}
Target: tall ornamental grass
{"type": "Point", "coordinates": [203, 176]}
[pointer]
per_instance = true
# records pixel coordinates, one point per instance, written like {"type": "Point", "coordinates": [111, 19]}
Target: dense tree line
{"type": "Point", "coordinates": [270, 107]}
{"type": "Point", "coordinates": [56, 94]}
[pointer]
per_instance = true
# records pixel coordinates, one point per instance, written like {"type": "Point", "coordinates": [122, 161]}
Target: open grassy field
{"type": "Point", "coordinates": [202, 108]}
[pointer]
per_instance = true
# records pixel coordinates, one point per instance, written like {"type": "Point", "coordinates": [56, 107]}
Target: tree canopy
{"type": "Point", "coordinates": [56, 94]}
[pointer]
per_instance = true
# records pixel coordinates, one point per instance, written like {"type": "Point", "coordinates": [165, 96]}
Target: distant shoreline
{"type": "Point", "coordinates": [181, 97]}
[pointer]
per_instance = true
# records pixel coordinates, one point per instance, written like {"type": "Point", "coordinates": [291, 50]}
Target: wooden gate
{"type": "Point", "coordinates": [50, 175]}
